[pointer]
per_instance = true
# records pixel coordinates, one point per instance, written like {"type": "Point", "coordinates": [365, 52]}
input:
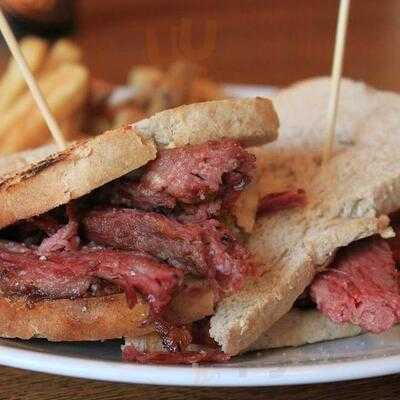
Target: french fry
{"type": "Point", "coordinates": [12, 84]}
{"type": "Point", "coordinates": [175, 87]}
{"type": "Point", "coordinates": [63, 51]}
{"type": "Point", "coordinates": [145, 80]}
{"type": "Point", "coordinates": [65, 90]}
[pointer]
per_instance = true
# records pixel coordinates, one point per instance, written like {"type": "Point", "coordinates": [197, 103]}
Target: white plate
{"type": "Point", "coordinates": [360, 357]}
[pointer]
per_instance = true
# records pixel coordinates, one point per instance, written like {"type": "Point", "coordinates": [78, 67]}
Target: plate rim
{"type": "Point", "coordinates": [197, 376]}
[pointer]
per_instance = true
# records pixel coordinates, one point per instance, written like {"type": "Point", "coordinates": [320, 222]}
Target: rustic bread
{"type": "Point", "coordinates": [366, 116]}
{"type": "Point", "coordinates": [72, 173]}
{"type": "Point", "coordinates": [346, 201]}
{"type": "Point", "coordinates": [252, 121]}
{"type": "Point", "coordinates": [95, 318]}
{"type": "Point", "coordinates": [300, 327]}
{"type": "Point", "coordinates": [89, 164]}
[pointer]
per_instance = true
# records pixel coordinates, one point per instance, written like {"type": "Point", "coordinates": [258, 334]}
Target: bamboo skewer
{"type": "Point", "coordinates": [31, 82]}
{"type": "Point", "coordinates": [336, 76]}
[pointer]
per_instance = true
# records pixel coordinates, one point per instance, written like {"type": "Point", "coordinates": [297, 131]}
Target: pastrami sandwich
{"type": "Point", "coordinates": [323, 280]}
{"type": "Point", "coordinates": [323, 271]}
{"type": "Point", "coordinates": [131, 232]}
{"type": "Point", "coordinates": [331, 266]}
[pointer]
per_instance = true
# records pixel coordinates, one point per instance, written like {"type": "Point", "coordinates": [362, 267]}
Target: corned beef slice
{"type": "Point", "coordinates": [206, 249]}
{"type": "Point", "coordinates": [130, 353]}
{"type": "Point", "coordinates": [188, 175]}
{"type": "Point", "coordinates": [361, 286]}
{"type": "Point", "coordinates": [70, 274]}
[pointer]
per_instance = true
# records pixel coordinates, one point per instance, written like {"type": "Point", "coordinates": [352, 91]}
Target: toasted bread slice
{"type": "Point", "coordinates": [16, 162]}
{"type": "Point", "coordinates": [251, 121]}
{"type": "Point", "coordinates": [72, 173]}
{"type": "Point", "coordinates": [95, 318]}
{"type": "Point", "coordinates": [92, 163]}
{"type": "Point", "coordinates": [300, 327]}
{"type": "Point", "coordinates": [348, 200]}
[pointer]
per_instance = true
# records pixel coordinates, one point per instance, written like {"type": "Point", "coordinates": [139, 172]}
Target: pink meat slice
{"type": "Point", "coordinates": [206, 249]}
{"type": "Point", "coordinates": [361, 286]}
{"type": "Point", "coordinates": [70, 274]}
{"type": "Point", "coordinates": [188, 175]}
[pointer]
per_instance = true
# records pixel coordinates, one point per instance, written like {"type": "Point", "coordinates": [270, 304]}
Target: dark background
{"type": "Point", "coordinates": [250, 41]}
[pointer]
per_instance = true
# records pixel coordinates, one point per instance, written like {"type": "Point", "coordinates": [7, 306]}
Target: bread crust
{"type": "Point", "coordinates": [13, 163]}
{"type": "Point", "coordinates": [94, 318]}
{"type": "Point", "coordinates": [251, 121]}
{"type": "Point", "coordinates": [72, 173]}
{"type": "Point", "coordinates": [299, 327]}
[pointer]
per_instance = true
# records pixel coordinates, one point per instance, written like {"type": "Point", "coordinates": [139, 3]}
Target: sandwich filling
{"type": "Point", "coordinates": [362, 284]}
{"type": "Point", "coordinates": [141, 234]}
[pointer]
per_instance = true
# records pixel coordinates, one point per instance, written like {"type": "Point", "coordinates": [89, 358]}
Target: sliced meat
{"type": "Point", "coordinates": [24, 272]}
{"type": "Point", "coordinates": [180, 245]}
{"type": "Point", "coordinates": [65, 237]}
{"type": "Point", "coordinates": [206, 249]}
{"type": "Point", "coordinates": [361, 287]}
{"type": "Point", "coordinates": [282, 200]}
{"type": "Point", "coordinates": [133, 272]}
{"type": "Point", "coordinates": [130, 353]}
{"type": "Point", "coordinates": [188, 175]}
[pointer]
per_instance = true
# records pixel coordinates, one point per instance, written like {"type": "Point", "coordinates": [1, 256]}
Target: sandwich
{"type": "Point", "coordinates": [314, 247]}
{"type": "Point", "coordinates": [131, 232]}
{"type": "Point", "coordinates": [331, 266]}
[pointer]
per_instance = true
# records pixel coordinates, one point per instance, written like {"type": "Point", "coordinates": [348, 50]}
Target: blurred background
{"type": "Point", "coordinates": [249, 41]}
{"type": "Point", "coordinates": [102, 64]}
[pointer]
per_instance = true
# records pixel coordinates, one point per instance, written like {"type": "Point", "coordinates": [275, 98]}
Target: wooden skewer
{"type": "Point", "coordinates": [336, 77]}
{"type": "Point", "coordinates": [31, 82]}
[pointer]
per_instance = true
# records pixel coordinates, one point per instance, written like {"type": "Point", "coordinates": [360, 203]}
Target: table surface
{"type": "Point", "coordinates": [17, 384]}
{"type": "Point", "coordinates": [242, 41]}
